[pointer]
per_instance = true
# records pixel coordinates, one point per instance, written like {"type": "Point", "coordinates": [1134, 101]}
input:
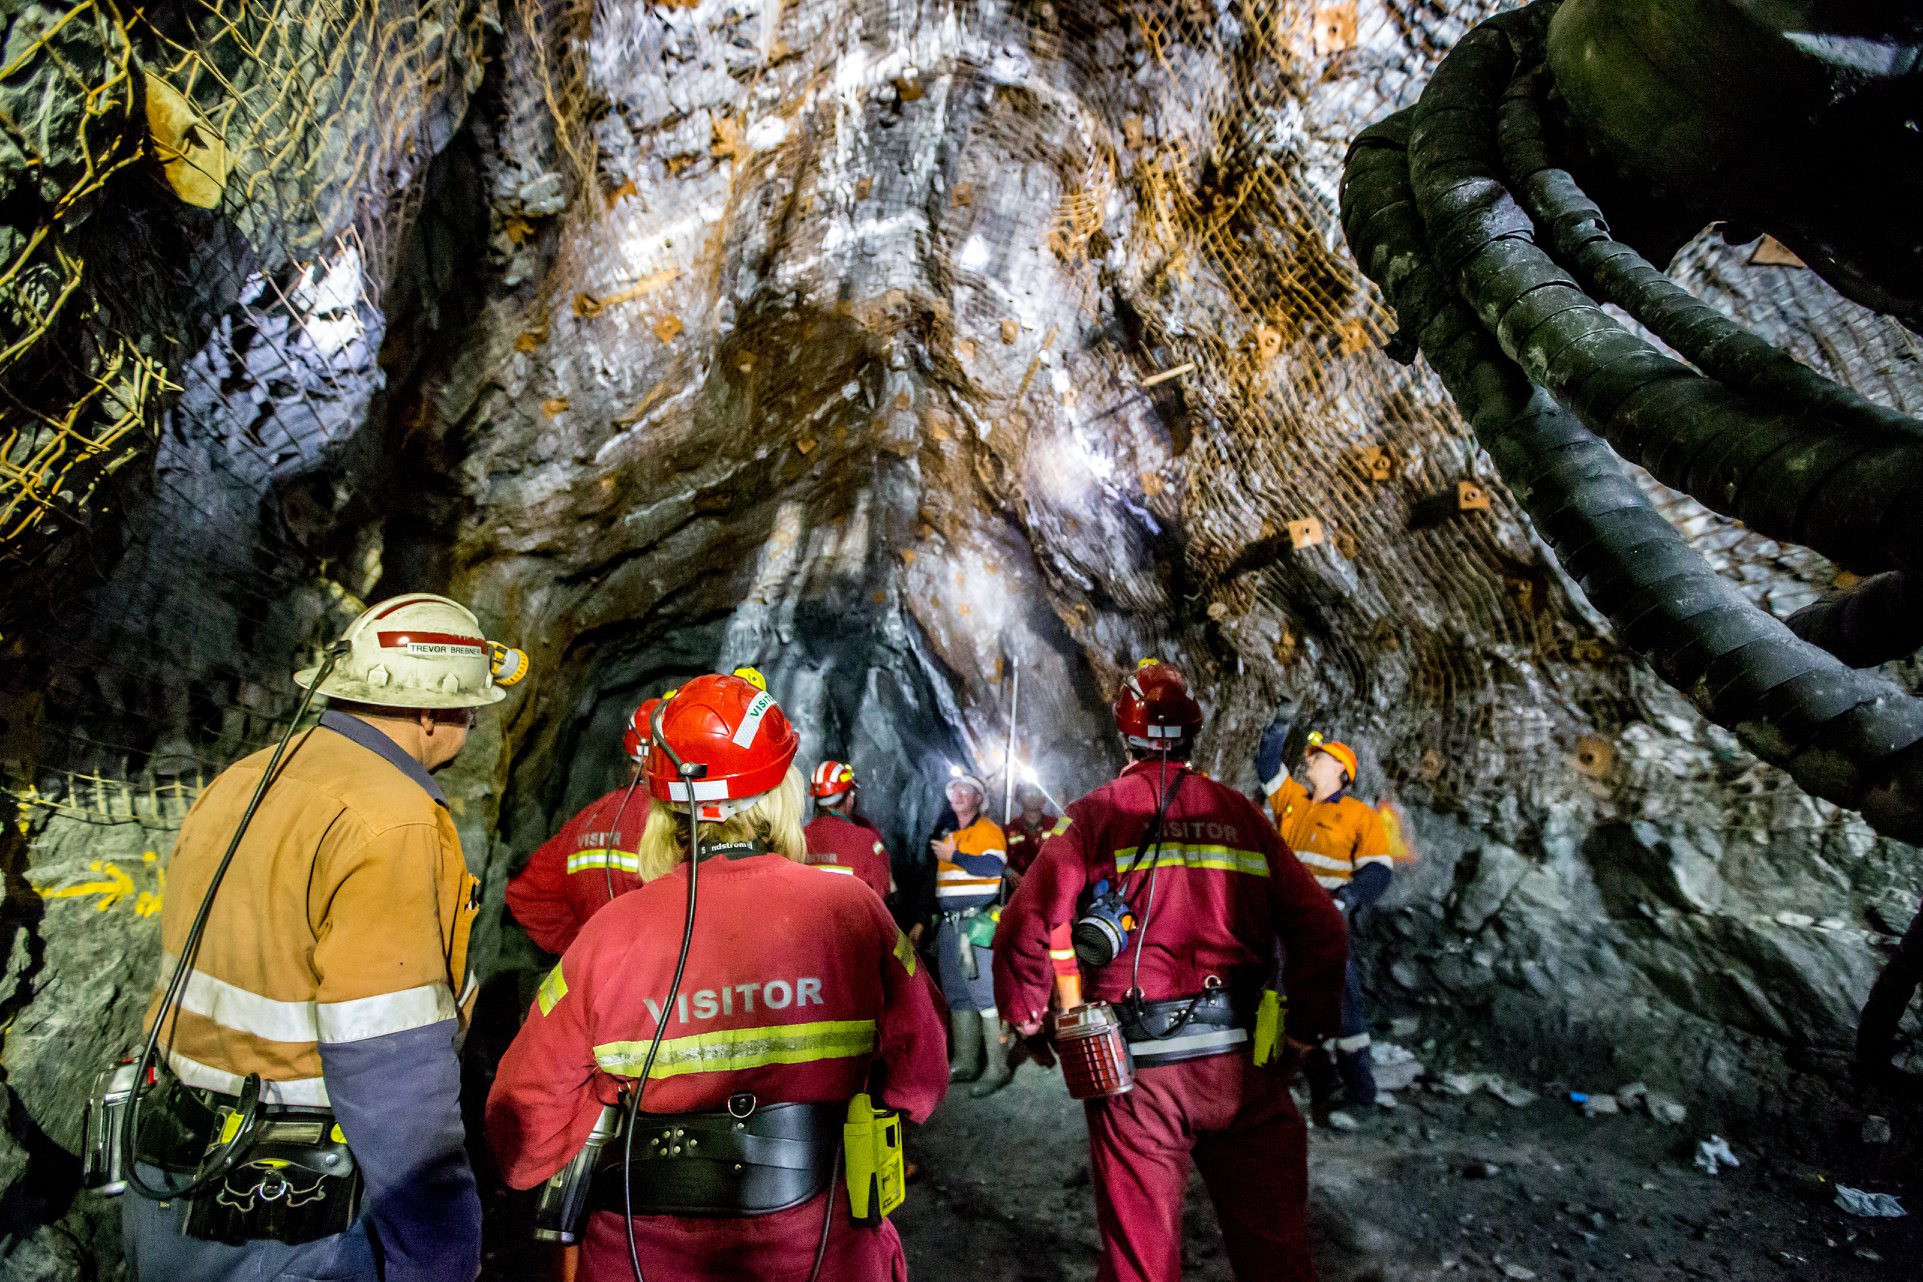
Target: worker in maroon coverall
{"type": "Point", "coordinates": [1225, 893]}
{"type": "Point", "coordinates": [580, 869]}
{"type": "Point", "coordinates": [839, 839]}
{"type": "Point", "coordinates": [1027, 830]}
{"type": "Point", "coordinates": [799, 990]}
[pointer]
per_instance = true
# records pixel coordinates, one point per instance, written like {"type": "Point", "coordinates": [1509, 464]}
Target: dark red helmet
{"type": "Point", "coordinates": [639, 732]}
{"type": "Point", "coordinates": [732, 727]}
{"type": "Point", "coordinates": [1154, 709]}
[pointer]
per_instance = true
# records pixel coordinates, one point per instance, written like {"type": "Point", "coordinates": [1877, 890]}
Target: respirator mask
{"type": "Point", "coordinates": [1101, 932]}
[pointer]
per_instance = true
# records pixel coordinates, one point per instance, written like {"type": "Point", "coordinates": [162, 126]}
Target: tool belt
{"type": "Point", "coordinates": [1212, 1022]}
{"type": "Point", "coordinates": [748, 1159]}
{"type": "Point", "coordinates": [293, 1181]}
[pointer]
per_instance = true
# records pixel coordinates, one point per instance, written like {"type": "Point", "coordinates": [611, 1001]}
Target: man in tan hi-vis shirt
{"type": "Point", "coordinates": [334, 962]}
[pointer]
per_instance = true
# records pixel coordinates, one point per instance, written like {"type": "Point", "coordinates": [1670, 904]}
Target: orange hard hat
{"type": "Point", "coordinates": [1154, 709]}
{"type": "Point", "coordinates": [1342, 752]}
{"type": "Point", "coordinates": [733, 728]}
{"type": "Point", "coordinates": [832, 779]}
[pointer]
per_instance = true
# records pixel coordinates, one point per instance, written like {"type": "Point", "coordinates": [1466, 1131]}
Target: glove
{"type": "Point", "coordinates": [1268, 753]}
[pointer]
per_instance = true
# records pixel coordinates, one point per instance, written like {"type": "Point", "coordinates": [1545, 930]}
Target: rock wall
{"type": "Point", "coordinates": [899, 349]}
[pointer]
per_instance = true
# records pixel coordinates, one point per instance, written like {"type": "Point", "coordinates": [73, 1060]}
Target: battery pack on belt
{"type": "Point", "coordinates": [749, 1160]}
{"type": "Point", "coordinates": [297, 1182]}
{"type": "Point", "coordinates": [1186, 1028]}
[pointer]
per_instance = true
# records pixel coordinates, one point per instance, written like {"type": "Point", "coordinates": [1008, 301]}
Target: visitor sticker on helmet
{"type": "Point", "coordinates": [639, 732]}
{"type": "Point", "coordinates": [1154, 710]}
{"type": "Point", "coordinates": [735, 732]}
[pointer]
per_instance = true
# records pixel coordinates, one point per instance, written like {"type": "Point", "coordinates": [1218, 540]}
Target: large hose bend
{"type": "Point", "coordinates": [1855, 497]}
{"type": "Point", "coordinates": [1848, 736]}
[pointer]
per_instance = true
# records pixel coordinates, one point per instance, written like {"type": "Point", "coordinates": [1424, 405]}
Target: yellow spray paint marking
{"type": "Point", "coordinates": [114, 885]}
{"type": "Point", "coordinates": [117, 886]}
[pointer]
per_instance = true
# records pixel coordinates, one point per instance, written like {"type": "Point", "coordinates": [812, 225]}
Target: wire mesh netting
{"type": "Point", "coordinates": [194, 316]}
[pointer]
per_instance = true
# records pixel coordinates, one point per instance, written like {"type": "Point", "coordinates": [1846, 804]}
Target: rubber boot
{"type": "Point", "coordinates": [1357, 1070]}
{"type": "Point", "coordinates": [964, 1045]}
{"type": "Point", "coordinates": [999, 1074]}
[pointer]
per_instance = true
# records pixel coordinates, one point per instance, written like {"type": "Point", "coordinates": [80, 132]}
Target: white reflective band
{"type": "Point", "coordinates": [365, 1017]}
{"type": "Point", "coordinates": [305, 1092]}
{"type": "Point", "coordinates": [1384, 860]}
{"type": "Point", "coordinates": [1315, 860]}
{"type": "Point", "coordinates": [1165, 732]}
{"type": "Point", "coordinates": [234, 1007]}
{"type": "Point", "coordinates": [1331, 883]}
{"type": "Point", "coordinates": [1274, 785]}
{"type": "Point", "coordinates": [704, 790]}
{"type": "Point", "coordinates": [1189, 1042]}
{"type": "Point", "coordinates": [745, 733]}
{"type": "Point", "coordinates": [593, 859]}
{"type": "Point", "coordinates": [1359, 1042]}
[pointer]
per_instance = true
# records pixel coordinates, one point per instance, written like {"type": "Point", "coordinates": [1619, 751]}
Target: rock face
{"type": "Point", "coordinates": [903, 352]}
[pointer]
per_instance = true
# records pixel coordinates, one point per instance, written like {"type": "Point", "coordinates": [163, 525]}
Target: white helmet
{"type": "Point", "coordinates": [419, 651]}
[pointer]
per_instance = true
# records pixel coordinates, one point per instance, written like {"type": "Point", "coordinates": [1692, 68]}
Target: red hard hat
{"type": "Point", "coordinates": [1154, 709]}
{"type": "Point", "coordinates": [832, 779]}
{"type": "Point", "coordinates": [732, 728]}
{"type": "Point", "coordinates": [640, 731]}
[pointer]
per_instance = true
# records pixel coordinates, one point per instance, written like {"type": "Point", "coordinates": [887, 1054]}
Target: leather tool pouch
{"type": "Point", "coordinates": [296, 1182]}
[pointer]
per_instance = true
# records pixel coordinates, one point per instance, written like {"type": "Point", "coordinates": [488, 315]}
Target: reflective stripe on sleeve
{"type": "Point", "coordinates": [1061, 827]}
{"type": "Point", "coordinates": [733, 1049]}
{"type": "Point", "coordinates": [1330, 883]}
{"type": "Point", "coordinates": [306, 1092]}
{"type": "Point", "coordinates": [360, 1018]}
{"type": "Point", "coordinates": [904, 952]}
{"type": "Point", "coordinates": [832, 868]}
{"type": "Point", "coordinates": [1208, 858]}
{"type": "Point", "coordinates": [552, 990]}
{"type": "Point", "coordinates": [232, 1006]}
{"type": "Point", "coordinates": [1314, 860]}
{"type": "Point", "coordinates": [601, 857]}
{"type": "Point", "coordinates": [1384, 860]}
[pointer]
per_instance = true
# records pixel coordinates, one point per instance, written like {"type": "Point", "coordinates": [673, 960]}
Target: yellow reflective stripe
{"type": "Point", "coordinates": [731, 1049]}
{"type": "Point", "coordinates": [1212, 858]}
{"type": "Point", "coordinates": [832, 868]}
{"type": "Point", "coordinates": [553, 989]}
{"type": "Point", "coordinates": [1061, 827]}
{"type": "Point", "coordinates": [904, 952]}
{"type": "Point", "coordinates": [602, 857]}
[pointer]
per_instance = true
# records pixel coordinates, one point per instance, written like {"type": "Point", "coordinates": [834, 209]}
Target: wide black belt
{"type": "Point", "coordinates": [1213, 1022]}
{"type": "Point", "coordinates": [747, 1160]}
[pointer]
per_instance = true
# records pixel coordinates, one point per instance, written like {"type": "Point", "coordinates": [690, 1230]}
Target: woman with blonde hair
{"type": "Point", "coordinates": [749, 998]}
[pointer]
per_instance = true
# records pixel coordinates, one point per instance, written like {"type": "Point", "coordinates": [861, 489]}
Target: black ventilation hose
{"type": "Point", "coordinates": [1787, 474]}
{"type": "Point", "coordinates": [1847, 736]}
{"type": "Point", "coordinates": [1875, 621]}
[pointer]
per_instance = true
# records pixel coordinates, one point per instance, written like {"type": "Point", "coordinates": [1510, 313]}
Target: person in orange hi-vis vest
{"type": "Point", "coordinates": [798, 994]}
{"type": "Point", "coordinates": [331, 979]}
{"type": "Point", "coordinates": [1200, 896]}
{"type": "Point", "coordinates": [580, 869]}
{"type": "Point", "coordinates": [970, 858]}
{"type": "Point", "coordinates": [839, 839]}
{"type": "Point", "coordinates": [1342, 842]}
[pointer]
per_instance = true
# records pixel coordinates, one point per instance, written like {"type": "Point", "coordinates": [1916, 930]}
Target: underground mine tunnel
{"type": "Point", "coordinates": [1525, 399]}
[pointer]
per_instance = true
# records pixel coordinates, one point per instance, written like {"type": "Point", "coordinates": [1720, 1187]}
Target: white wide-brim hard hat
{"type": "Point", "coordinates": [413, 651]}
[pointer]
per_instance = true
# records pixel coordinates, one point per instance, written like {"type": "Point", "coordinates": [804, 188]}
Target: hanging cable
{"type": "Point", "coordinates": [226, 1155]}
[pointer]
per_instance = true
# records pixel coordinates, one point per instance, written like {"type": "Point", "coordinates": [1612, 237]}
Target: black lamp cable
{"type": "Point", "coordinates": [226, 1155]}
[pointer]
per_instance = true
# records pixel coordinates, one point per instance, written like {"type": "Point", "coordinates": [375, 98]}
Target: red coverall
{"type": "Point", "coordinates": [853, 844]}
{"type": "Point", "coordinates": [567, 880]}
{"type": "Point", "coordinates": [1025, 839]}
{"type": "Point", "coordinates": [799, 988]}
{"type": "Point", "coordinates": [1226, 890]}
